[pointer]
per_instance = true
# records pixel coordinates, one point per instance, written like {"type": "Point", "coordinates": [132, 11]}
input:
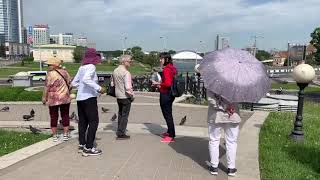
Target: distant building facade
{"type": "Point", "coordinates": [63, 52]}
{"type": "Point", "coordinates": [40, 35]}
{"type": "Point", "coordinates": [62, 39]}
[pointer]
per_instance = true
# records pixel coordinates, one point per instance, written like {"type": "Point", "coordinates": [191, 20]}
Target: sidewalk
{"type": "Point", "coordinates": [142, 157]}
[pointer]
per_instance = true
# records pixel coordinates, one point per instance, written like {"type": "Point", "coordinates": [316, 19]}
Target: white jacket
{"type": "Point", "coordinates": [217, 111]}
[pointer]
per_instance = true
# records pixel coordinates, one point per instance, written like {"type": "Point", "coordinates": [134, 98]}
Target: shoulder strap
{"type": "Point", "coordinates": [63, 78]}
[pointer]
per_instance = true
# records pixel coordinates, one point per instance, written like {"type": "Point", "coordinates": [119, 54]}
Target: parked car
{"type": "Point", "coordinates": [273, 75]}
{"type": "Point", "coordinates": [38, 75]}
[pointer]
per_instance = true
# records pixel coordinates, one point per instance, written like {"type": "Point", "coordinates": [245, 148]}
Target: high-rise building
{"type": "Point", "coordinates": [62, 39]}
{"type": "Point", "coordinates": [41, 34]}
{"type": "Point", "coordinates": [11, 21]}
{"type": "Point", "coordinates": [24, 35]}
{"type": "Point", "coordinates": [82, 41]}
{"type": "Point", "coordinates": [222, 42]}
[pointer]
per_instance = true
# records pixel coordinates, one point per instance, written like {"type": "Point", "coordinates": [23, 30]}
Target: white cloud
{"type": "Point", "coordinates": [106, 20]}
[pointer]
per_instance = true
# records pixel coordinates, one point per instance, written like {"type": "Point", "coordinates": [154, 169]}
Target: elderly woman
{"type": "Point", "coordinates": [222, 115]}
{"type": "Point", "coordinates": [56, 95]}
{"type": "Point", "coordinates": [88, 89]}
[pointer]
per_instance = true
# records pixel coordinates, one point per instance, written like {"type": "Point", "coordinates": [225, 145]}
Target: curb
{"type": "Point", "coordinates": [26, 152]}
{"type": "Point", "coordinates": [248, 147]}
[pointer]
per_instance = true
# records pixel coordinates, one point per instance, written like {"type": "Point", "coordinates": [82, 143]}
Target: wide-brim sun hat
{"type": "Point", "coordinates": [54, 61]}
{"type": "Point", "coordinates": [91, 57]}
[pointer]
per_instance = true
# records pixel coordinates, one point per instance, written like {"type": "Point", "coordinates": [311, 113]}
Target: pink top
{"type": "Point", "coordinates": [57, 91]}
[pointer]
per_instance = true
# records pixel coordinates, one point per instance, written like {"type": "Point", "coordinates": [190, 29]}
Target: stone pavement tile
{"type": "Point", "coordinates": [82, 176]}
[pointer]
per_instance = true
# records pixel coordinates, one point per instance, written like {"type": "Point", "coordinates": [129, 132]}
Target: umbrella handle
{"type": "Point", "coordinates": [231, 110]}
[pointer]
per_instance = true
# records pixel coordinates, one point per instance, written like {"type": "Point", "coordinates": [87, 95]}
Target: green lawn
{"type": "Point", "coordinates": [293, 86]}
{"type": "Point", "coordinates": [283, 159]}
{"type": "Point", "coordinates": [18, 94]}
{"type": "Point", "coordinates": [11, 141]}
{"type": "Point", "coordinates": [72, 68]}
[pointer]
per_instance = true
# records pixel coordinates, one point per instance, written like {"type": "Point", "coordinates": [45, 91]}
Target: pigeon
{"type": "Point", "coordinates": [73, 114]}
{"type": "Point", "coordinates": [34, 130]}
{"type": "Point", "coordinates": [114, 117]}
{"type": "Point", "coordinates": [32, 113]}
{"type": "Point", "coordinates": [104, 110]}
{"type": "Point", "coordinates": [27, 117]}
{"type": "Point", "coordinates": [60, 121]}
{"type": "Point", "coordinates": [76, 119]}
{"type": "Point", "coordinates": [183, 120]}
{"type": "Point", "coordinates": [5, 109]}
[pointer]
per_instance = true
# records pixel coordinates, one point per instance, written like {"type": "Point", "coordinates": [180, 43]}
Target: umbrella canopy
{"type": "Point", "coordinates": [235, 75]}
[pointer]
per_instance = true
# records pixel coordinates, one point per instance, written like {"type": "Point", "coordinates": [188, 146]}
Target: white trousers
{"type": "Point", "coordinates": [231, 131]}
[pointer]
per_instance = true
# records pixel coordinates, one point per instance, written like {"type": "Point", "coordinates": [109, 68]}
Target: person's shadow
{"type": "Point", "coordinates": [193, 147]}
{"type": "Point", "coordinates": [113, 126]}
{"type": "Point", "coordinates": [155, 129]}
{"type": "Point", "coordinates": [197, 149]}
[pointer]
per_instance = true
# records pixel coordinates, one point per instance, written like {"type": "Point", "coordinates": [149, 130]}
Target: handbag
{"type": "Point", "coordinates": [111, 91]}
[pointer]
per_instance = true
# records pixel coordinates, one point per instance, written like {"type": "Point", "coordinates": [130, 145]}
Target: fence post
{"type": "Point", "coordinates": [187, 83]}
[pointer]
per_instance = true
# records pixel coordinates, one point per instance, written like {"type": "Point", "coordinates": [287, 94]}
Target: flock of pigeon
{"type": "Point", "coordinates": [73, 117]}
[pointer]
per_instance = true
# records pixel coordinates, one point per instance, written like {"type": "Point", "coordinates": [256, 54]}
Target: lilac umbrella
{"type": "Point", "coordinates": [235, 74]}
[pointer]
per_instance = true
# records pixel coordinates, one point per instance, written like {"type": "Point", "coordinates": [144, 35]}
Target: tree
{"type": "Point", "coordinates": [172, 52]}
{"type": "Point", "coordinates": [137, 53]}
{"type": "Point", "coordinates": [112, 54]}
{"type": "Point", "coordinates": [2, 51]}
{"type": "Point", "coordinates": [263, 55]}
{"type": "Point", "coordinates": [78, 53]}
{"type": "Point", "coordinates": [310, 59]}
{"type": "Point", "coordinates": [315, 35]}
{"type": "Point", "coordinates": [151, 59]}
{"type": "Point", "coordinates": [285, 62]}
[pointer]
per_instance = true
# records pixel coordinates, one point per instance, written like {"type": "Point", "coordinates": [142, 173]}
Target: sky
{"type": "Point", "coordinates": [183, 24]}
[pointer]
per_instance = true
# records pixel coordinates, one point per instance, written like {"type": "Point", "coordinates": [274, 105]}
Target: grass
{"type": "Point", "coordinates": [192, 100]}
{"type": "Point", "coordinates": [281, 158]}
{"type": "Point", "coordinates": [18, 94]}
{"type": "Point", "coordinates": [293, 86]}
{"type": "Point", "coordinates": [72, 68]}
{"type": "Point", "coordinates": [11, 141]}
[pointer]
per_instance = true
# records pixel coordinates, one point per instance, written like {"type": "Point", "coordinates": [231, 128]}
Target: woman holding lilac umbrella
{"type": "Point", "coordinates": [230, 76]}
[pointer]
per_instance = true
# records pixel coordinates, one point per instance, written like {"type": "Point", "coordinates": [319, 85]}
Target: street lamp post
{"type": "Point", "coordinates": [124, 45]}
{"type": "Point", "coordinates": [198, 95]}
{"type": "Point", "coordinates": [40, 61]}
{"type": "Point", "coordinates": [303, 74]}
{"type": "Point", "coordinates": [164, 43]}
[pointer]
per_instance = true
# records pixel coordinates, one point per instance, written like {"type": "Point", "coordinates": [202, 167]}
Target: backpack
{"type": "Point", "coordinates": [178, 85]}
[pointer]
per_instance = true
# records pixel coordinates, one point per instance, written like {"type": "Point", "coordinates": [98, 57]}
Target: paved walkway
{"type": "Point", "coordinates": [141, 157]}
{"type": "Point", "coordinates": [144, 110]}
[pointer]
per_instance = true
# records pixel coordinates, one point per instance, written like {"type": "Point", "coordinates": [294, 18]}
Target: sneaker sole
{"type": "Point", "coordinates": [86, 155]}
{"type": "Point", "coordinates": [80, 151]}
{"type": "Point", "coordinates": [167, 141]}
{"type": "Point", "coordinates": [232, 174]}
{"type": "Point", "coordinates": [122, 138]}
{"type": "Point", "coordinates": [214, 173]}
